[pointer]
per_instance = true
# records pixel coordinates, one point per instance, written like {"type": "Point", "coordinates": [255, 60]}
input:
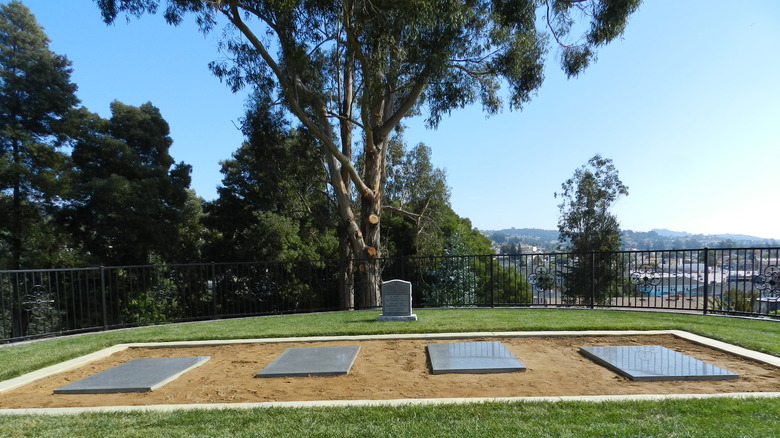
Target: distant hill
{"type": "Point", "coordinates": [669, 233]}
{"type": "Point", "coordinates": [530, 232]}
{"type": "Point", "coordinates": [657, 239]}
{"type": "Point", "coordinates": [735, 237]}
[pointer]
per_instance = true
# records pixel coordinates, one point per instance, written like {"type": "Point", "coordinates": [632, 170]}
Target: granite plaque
{"type": "Point", "coordinates": [472, 358]}
{"type": "Point", "coordinates": [397, 301]}
{"type": "Point", "coordinates": [137, 375]}
{"type": "Point", "coordinates": [311, 361]}
{"type": "Point", "coordinates": [652, 363]}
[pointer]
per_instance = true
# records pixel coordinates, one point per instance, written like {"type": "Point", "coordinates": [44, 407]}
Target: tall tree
{"type": "Point", "coordinates": [417, 199]}
{"type": "Point", "coordinates": [35, 96]}
{"type": "Point", "coordinates": [365, 65]}
{"type": "Point", "coordinates": [130, 200]}
{"type": "Point", "coordinates": [586, 226]}
{"type": "Point", "coordinates": [273, 202]}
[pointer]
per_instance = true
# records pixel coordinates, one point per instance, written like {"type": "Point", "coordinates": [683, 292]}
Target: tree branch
{"type": "Point", "coordinates": [297, 86]}
{"type": "Point", "coordinates": [345, 119]}
{"type": "Point", "coordinates": [552, 29]}
{"type": "Point", "coordinates": [391, 122]}
{"type": "Point", "coordinates": [408, 214]}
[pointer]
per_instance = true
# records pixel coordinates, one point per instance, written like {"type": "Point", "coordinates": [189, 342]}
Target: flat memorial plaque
{"type": "Point", "coordinates": [137, 375]}
{"type": "Point", "coordinates": [311, 361]}
{"type": "Point", "coordinates": [472, 358]}
{"type": "Point", "coordinates": [653, 363]}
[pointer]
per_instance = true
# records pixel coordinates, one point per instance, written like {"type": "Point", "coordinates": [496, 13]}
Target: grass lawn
{"type": "Point", "coordinates": [713, 417]}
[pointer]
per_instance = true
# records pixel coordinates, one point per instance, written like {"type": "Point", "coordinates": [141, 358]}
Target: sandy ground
{"type": "Point", "coordinates": [396, 369]}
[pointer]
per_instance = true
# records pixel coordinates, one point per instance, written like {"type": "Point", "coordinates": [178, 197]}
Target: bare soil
{"type": "Point", "coordinates": [396, 369]}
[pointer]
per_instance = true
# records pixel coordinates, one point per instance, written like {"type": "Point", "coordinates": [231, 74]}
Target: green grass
{"type": "Point", "coordinates": [713, 417]}
{"type": "Point", "coordinates": [691, 418]}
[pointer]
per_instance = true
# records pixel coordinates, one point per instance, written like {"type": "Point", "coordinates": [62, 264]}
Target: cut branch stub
{"type": "Point", "coordinates": [373, 219]}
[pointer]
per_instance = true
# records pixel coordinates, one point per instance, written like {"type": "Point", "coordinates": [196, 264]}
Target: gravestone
{"type": "Point", "coordinates": [312, 361]}
{"type": "Point", "coordinates": [472, 358]}
{"type": "Point", "coordinates": [137, 375]}
{"type": "Point", "coordinates": [653, 363]}
{"type": "Point", "coordinates": [397, 301]}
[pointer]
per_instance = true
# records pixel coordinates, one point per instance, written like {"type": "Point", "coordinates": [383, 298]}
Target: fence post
{"type": "Point", "coordinates": [492, 285]}
{"type": "Point", "coordinates": [592, 279]}
{"type": "Point", "coordinates": [706, 278]}
{"type": "Point", "coordinates": [213, 289]}
{"type": "Point", "coordinates": [103, 296]}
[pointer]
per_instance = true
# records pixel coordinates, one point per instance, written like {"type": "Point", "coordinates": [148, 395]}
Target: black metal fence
{"type": "Point", "coordinates": [738, 281]}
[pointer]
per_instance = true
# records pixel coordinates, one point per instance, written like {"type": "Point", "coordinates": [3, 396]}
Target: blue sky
{"type": "Point", "coordinates": [686, 104]}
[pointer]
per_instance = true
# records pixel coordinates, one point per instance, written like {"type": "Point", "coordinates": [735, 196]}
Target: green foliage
{"type": "Point", "coordinates": [587, 226]}
{"type": "Point", "coordinates": [585, 222]}
{"type": "Point", "coordinates": [734, 300]}
{"type": "Point", "coordinates": [468, 274]}
{"type": "Point", "coordinates": [153, 296]}
{"type": "Point", "coordinates": [501, 285]}
{"type": "Point", "coordinates": [35, 97]}
{"type": "Point", "coordinates": [417, 199]}
{"type": "Point", "coordinates": [459, 231]}
{"type": "Point", "coordinates": [273, 203]}
{"type": "Point", "coordinates": [130, 202]}
{"type": "Point", "coordinates": [341, 67]}
{"type": "Point", "coordinates": [191, 233]}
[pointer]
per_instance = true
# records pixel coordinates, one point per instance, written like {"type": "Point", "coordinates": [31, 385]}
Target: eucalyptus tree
{"type": "Point", "coordinates": [588, 228]}
{"type": "Point", "coordinates": [352, 70]}
{"type": "Point", "coordinates": [36, 94]}
{"type": "Point", "coordinates": [417, 199]}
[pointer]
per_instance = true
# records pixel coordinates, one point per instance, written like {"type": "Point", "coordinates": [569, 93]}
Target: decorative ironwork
{"type": "Point", "coordinates": [769, 281]}
{"type": "Point", "coordinates": [645, 280]}
{"type": "Point", "coordinates": [37, 300]}
{"type": "Point", "coordinates": [543, 278]}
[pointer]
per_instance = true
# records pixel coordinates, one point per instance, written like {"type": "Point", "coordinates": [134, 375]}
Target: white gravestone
{"type": "Point", "coordinates": [397, 301]}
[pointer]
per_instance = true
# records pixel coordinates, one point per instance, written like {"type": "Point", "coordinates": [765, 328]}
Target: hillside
{"type": "Point", "coordinates": [657, 239]}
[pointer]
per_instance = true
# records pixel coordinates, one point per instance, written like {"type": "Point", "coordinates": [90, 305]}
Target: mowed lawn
{"type": "Point", "coordinates": [711, 417]}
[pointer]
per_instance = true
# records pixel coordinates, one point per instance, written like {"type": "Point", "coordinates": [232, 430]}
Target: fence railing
{"type": "Point", "coordinates": [737, 281]}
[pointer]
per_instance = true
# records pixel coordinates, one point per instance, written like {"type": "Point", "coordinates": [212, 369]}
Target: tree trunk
{"type": "Point", "coordinates": [367, 291]}
{"type": "Point", "coordinates": [346, 271]}
{"type": "Point", "coordinates": [19, 319]}
{"type": "Point", "coordinates": [346, 254]}
{"type": "Point", "coordinates": [369, 295]}
{"type": "Point", "coordinates": [370, 269]}
{"type": "Point", "coordinates": [16, 213]}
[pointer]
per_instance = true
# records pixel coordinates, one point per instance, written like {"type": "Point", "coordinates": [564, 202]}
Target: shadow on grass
{"type": "Point", "coordinates": [363, 320]}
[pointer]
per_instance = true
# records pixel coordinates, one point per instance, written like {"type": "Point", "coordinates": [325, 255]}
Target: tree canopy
{"type": "Point", "coordinates": [587, 226]}
{"type": "Point", "coordinates": [273, 202]}
{"type": "Point", "coordinates": [585, 222]}
{"type": "Point", "coordinates": [129, 196]}
{"type": "Point", "coordinates": [36, 94]}
{"type": "Point", "coordinates": [361, 66]}
{"type": "Point", "coordinates": [417, 201]}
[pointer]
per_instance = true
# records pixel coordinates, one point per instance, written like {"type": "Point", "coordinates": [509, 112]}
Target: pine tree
{"type": "Point", "coordinates": [273, 203]}
{"type": "Point", "coordinates": [130, 200]}
{"type": "Point", "coordinates": [35, 96]}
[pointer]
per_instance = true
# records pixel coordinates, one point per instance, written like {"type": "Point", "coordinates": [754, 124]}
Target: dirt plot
{"type": "Point", "coordinates": [396, 369]}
